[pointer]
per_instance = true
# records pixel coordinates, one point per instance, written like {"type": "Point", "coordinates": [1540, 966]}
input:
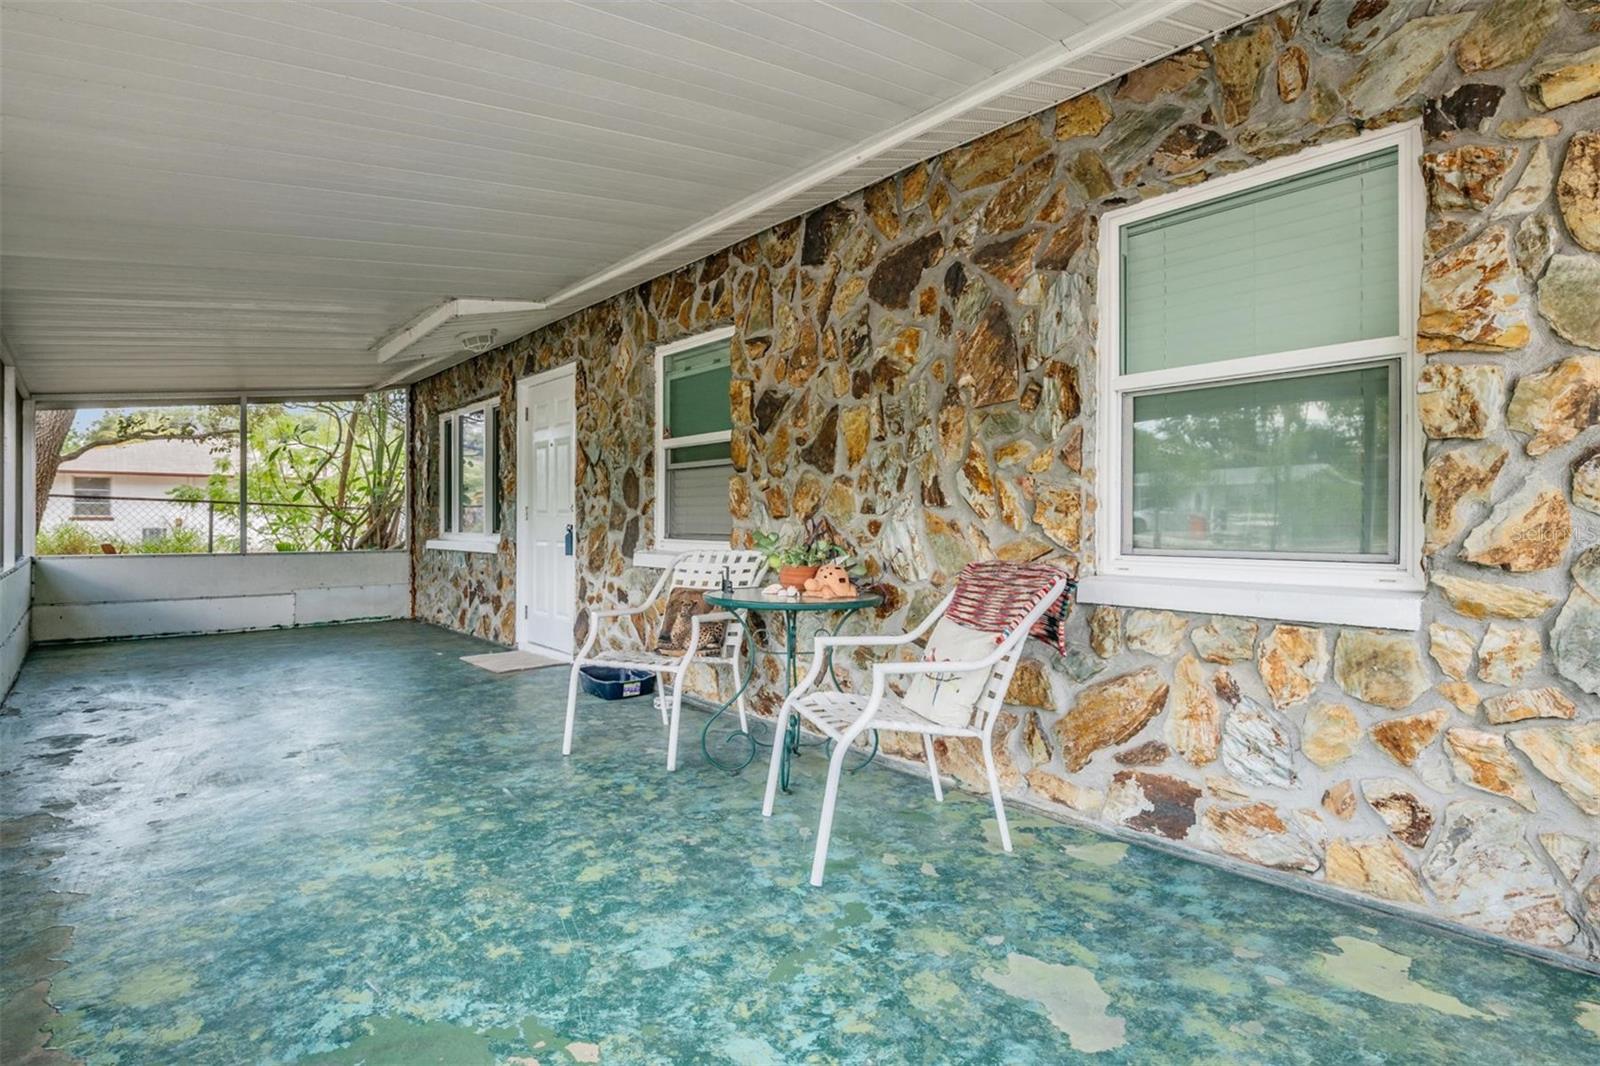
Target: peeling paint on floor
{"type": "Point", "coordinates": [344, 845]}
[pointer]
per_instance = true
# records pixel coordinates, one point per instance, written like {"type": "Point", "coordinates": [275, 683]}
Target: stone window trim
{"type": "Point", "coordinates": [450, 537]}
{"type": "Point", "coordinates": [666, 546]}
{"type": "Point", "coordinates": [1383, 595]}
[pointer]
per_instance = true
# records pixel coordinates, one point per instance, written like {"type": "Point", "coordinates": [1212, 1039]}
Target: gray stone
{"type": "Point", "coordinates": [1225, 640]}
{"type": "Point", "coordinates": [1569, 298]}
{"type": "Point", "coordinates": [1507, 653]}
{"type": "Point", "coordinates": [1505, 32]}
{"type": "Point", "coordinates": [1586, 482]}
{"type": "Point", "coordinates": [1258, 746]}
{"type": "Point", "coordinates": [1156, 632]}
{"type": "Point", "coordinates": [1194, 728]}
{"type": "Point", "coordinates": [1568, 852]}
{"type": "Point", "coordinates": [1379, 667]}
{"type": "Point", "coordinates": [1484, 873]}
{"type": "Point", "coordinates": [1523, 704]}
{"type": "Point", "coordinates": [1257, 832]}
{"type": "Point", "coordinates": [1557, 404]}
{"type": "Point", "coordinates": [1354, 25]}
{"type": "Point", "coordinates": [1471, 301]}
{"type": "Point", "coordinates": [1466, 178]}
{"type": "Point", "coordinates": [1578, 191]}
{"type": "Point", "coordinates": [1568, 755]}
{"type": "Point", "coordinates": [1535, 241]}
{"type": "Point", "coordinates": [1451, 482]}
{"type": "Point", "coordinates": [1531, 188]}
{"type": "Point", "coordinates": [1482, 760]}
{"type": "Point", "coordinates": [1563, 79]}
{"type": "Point", "coordinates": [902, 547]}
{"type": "Point", "coordinates": [1575, 638]}
{"type": "Point", "coordinates": [1527, 531]}
{"type": "Point", "coordinates": [1396, 68]}
{"type": "Point", "coordinates": [1135, 133]}
{"type": "Point", "coordinates": [1401, 809]}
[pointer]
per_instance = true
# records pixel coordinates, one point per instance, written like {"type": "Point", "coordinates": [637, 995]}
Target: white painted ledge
{"type": "Point", "coordinates": [487, 545]}
{"type": "Point", "coordinates": [654, 560]}
{"type": "Point", "coordinates": [661, 558]}
{"type": "Point", "coordinates": [1368, 608]}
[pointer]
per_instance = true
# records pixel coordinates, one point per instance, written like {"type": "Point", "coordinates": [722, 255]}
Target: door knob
{"type": "Point", "coordinates": [569, 538]}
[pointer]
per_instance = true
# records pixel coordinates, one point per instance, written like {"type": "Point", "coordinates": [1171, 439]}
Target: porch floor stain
{"type": "Point", "coordinates": [344, 845]}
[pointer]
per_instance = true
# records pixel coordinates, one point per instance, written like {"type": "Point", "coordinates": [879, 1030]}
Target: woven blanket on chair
{"type": "Point", "coordinates": [996, 597]}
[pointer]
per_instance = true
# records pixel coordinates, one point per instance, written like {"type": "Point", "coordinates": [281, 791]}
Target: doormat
{"type": "Point", "coordinates": [509, 662]}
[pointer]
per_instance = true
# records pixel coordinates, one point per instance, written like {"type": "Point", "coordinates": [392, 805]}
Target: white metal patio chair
{"type": "Point", "coordinates": [691, 570]}
{"type": "Point", "coordinates": [843, 716]}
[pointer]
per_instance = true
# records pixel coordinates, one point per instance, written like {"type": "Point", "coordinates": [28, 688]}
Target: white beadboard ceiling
{"type": "Point", "coordinates": [213, 198]}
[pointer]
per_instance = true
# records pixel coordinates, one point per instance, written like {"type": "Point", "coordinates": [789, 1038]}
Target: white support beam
{"type": "Point", "coordinates": [9, 482]}
{"type": "Point", "coordinates": [29, 460]}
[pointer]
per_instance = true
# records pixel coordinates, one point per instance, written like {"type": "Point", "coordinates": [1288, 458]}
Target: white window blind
{"type": "Point", "coordinates": [1301, 263]}
{"type": "Point", "coordinates": [697, 502]}
{"type": "Point", "coordinates": [694, 438]}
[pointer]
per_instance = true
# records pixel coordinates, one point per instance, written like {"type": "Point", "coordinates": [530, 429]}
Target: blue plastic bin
{"type": "Point", "coordinates": [615, 682]}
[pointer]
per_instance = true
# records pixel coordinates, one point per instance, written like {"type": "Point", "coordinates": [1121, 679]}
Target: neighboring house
{"type": "Point", "coordinates": [123, 491]}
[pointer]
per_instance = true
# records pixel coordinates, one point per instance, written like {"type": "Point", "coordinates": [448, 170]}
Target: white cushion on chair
{"type": "Point", "coordinates": [948, 698]}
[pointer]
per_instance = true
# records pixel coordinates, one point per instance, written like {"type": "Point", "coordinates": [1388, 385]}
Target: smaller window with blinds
{"type": "Point", "coordinates": [1256, 423]}
{"type": "Point", "coordinates": [694, 435]}
{"type": "Point", "coordinates": [469, 472]}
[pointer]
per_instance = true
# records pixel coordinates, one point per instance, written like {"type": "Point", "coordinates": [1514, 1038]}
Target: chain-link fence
{"type": "Point", "coordinates": [95, 524]}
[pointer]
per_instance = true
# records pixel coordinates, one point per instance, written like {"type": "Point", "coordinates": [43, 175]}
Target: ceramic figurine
{"type": "Point", "coordinates": [831, 583]}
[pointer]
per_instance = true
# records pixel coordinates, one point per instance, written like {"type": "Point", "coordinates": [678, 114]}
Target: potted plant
{"type": "Point", "coordinates": [798, 560]}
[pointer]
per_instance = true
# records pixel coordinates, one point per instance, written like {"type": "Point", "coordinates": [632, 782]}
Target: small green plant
{"type": "Point", "coordinates": [69, 538]}
{"type": "Point", "coordinates": [817, 546]}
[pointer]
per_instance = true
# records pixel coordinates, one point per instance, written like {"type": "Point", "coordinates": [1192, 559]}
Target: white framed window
{"type": "Point", "coordinates": [469, 478]}
{"type": "Point", "coordinates": [91, 497]}
{"type": "Point", "coordinates": [694, 434]}
{"type": "Point", "coordinates": [1257, 445]}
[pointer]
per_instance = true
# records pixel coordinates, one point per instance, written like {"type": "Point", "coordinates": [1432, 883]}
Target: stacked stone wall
{"type": "Point", "coordinates": [917, 364]}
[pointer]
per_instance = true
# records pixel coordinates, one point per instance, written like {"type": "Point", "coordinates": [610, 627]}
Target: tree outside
{"type": "Point", "coordinates": [320, 476]}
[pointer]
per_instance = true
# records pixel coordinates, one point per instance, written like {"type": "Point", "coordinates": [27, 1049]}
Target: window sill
{"type": "Point", "coordinates": [482, 545]}
{"type": "Point", "coordinates": [661, 558]}
{"type": "Point", "coordinates": [1368, 608]}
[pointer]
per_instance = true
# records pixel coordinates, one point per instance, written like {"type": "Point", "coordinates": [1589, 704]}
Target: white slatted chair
{"type": "Point", "coordinates": [691, 570]}
{"type": "Point", "coordinates": [844, 716]}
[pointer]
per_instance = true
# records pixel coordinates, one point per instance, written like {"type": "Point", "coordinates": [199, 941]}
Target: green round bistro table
{"type": "Point", "coordinates": [745, 602]}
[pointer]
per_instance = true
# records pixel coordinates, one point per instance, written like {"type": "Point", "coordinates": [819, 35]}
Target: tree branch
{"type": "Point", "coordinates": [143, 435]}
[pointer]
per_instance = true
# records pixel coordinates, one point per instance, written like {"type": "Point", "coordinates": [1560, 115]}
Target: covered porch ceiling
{"type": "Point", "coordinates": [207, 199]}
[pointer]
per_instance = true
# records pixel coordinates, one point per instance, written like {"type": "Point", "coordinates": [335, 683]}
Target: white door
{"type": "Point", "coordinates": [546, 517]}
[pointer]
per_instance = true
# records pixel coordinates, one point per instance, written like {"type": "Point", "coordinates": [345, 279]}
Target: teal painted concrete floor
{"type": "Point", "coordinates": [344, 845]}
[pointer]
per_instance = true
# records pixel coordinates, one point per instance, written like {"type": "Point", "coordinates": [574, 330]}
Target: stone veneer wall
{"type": "Point", "coordinates": [916, 363]}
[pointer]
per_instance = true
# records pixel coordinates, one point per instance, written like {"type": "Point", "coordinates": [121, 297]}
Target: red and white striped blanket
{"type": "Point", "coordinates": [995, 597]}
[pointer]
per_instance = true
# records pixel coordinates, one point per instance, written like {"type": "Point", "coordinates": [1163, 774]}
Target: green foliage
{"type": "Point", "coordinates": [68, 538]}
{"type": "Point", "coordinates": [323, 476]}
{"type": "Point", "coordinates": [817, 545]}
{"type": "Point", "coordinates": [72, 538]}
{"type": "Point", "coordinates": [329, 476]}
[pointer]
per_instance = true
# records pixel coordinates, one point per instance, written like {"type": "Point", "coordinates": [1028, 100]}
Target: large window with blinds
{"type": "Point", "coordinates": [694, 434]}
{"type": "Point", "coordinates": [1255, 421]}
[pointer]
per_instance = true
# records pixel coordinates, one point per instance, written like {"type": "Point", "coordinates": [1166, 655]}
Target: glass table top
{"type": "Point", "coordinates": [753, 599]}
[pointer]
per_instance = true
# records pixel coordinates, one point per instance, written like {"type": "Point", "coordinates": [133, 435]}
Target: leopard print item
{"type": "Point", "coordinates": [682, 606]}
